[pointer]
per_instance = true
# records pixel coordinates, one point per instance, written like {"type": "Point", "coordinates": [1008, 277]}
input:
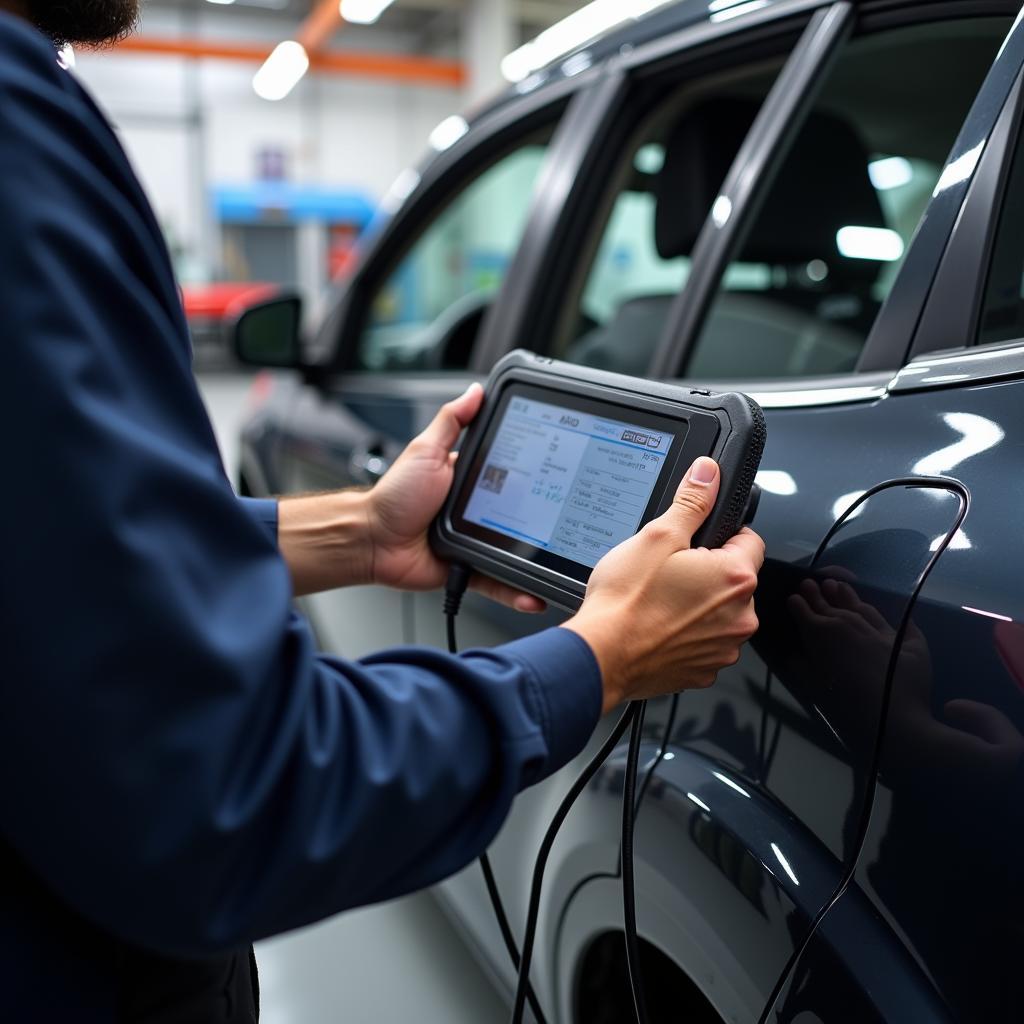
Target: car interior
{"type": "Point", "coordinates": [802, 308]}
{"type": "Point", "coordinates": [791, 304]}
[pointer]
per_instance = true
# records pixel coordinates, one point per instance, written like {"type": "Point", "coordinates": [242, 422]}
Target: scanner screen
{"type": "Point", "coordinates": [567, 481]}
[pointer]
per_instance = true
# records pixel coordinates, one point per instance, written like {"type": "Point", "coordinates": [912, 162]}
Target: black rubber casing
{"type": "Point", "coordinates": [737, 449]}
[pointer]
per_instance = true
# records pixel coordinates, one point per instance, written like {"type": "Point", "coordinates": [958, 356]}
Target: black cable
{"type": "Point", "coordinates": [458, 580]}
{"type": "Point", "coordinates": [629, 809]}
{"type": "Point", "coordinates": [455, 588]}
{"type": "Point", "coordinates": [545, 849]}
{"type": "Point", "coordinates": [666, 736]}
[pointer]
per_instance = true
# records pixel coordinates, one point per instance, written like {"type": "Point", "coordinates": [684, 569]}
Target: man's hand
{"type": "Point", "coordinates": [404, 503]}
{"type": "Point", "coordinates": [348, 538]}
{"type": "Point", "coordinates": [660, 616]}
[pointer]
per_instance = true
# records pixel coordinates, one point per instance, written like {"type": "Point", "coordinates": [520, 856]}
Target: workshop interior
{"type": "Point", "coordinates": [778, 233]}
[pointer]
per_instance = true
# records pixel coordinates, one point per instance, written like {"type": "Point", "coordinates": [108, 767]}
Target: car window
{"type": "Point", "coordinates": [638, 259]}
{"type": "Point", "coordinates": [1002, 312]}
{"type": "Point", "coordinates": [822, 254]}
{"type": "Point", "coordinates": [427, 312]}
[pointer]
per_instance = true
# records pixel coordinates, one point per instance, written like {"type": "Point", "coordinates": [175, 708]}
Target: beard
{"type": "Point", "coordinates": [84, 21]}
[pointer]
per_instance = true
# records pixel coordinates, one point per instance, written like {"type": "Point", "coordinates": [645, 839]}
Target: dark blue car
{"type": "Point", "coordinates": [821, 204]}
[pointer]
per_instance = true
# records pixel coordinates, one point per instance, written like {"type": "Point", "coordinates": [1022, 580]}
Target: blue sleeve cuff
{"type": "Point", "coordinates": [264, 512]}
{"type": "Point", "coordinates": [566, 692]}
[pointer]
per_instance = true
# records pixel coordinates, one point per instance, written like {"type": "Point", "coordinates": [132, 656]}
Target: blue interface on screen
{"type": "Point", "coordinates": [567, 481]}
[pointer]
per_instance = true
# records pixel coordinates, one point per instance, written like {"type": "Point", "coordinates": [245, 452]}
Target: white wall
{"type": "Point", "coordinates": [191, 125]}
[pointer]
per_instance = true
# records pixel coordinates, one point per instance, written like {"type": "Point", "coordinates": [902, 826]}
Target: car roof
{"type": "Point", "coordinates": [661, 22]}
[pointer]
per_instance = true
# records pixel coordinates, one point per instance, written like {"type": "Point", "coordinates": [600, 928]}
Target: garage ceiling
{"type": "Point", "coordinates": [404, 15]}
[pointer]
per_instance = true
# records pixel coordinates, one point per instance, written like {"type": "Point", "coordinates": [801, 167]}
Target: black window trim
{"type": "Point", "coordinates": [749, 179]}
{"type": "Point", "coordinates": [441, 179]}
{"type": "Point", "coordinates": [952, 317]}
{"type": "Point", "coordinates": [888, 342]}
{"type": "Point", "coordinates": [525, 294]}
{"type": "Point", "coordinates": [891, 340]}
{"type": "Point", "coordinates": [529, 307]}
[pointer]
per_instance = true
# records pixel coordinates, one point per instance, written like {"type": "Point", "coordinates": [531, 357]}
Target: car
{"type": "Point", "coordinates": [821, 205]}
{"type": "Point", "coordinates": [210, 310]}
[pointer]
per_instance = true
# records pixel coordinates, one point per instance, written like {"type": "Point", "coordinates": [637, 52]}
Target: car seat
{"type": "Point", "coordinates": [793, 327]}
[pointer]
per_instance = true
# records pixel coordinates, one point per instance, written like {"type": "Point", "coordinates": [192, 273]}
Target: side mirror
{"type": "Point", "coordinates": [267, 334]}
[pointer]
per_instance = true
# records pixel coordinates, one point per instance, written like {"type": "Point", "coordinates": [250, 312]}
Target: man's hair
{"type": "Point", "coordinates": [83, 21]}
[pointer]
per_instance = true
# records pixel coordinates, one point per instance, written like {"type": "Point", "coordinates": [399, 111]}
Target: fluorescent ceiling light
{"type": "Point", "coordinates": [650, 159]}
{"type": "Point", "coordinates": [566, 35]}
{"type": "Point", "coordinates": [448, 132]}
{"type": "Point", "coordinates": [776, 481]}
{"type": "Point", "coordinates": [959, 170]}
{"type": "Point", "coordinates": [890, 172]}
{"type": "Point", "coordinates": [223, 2]}
{"type": "Point", "coordinates": [845, 502]}
{"type": "Point", "coordinates": [737, 10]}
{"type": "Point", "coordinates": [859, 243]}
{"type": "Point", "coordinates": [721, 211]}
{"type": "Point", "coordinates": [364, 12]}
{"type": "Point", "coordinates": [403, 186]}
{"type": "Point", "coordinates": [281, 71]}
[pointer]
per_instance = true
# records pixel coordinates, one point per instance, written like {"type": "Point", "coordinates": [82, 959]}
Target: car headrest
{"type": "Point", "coordinates": [823, 185]}
{"type": "Point", "coordinates": [698, 154]}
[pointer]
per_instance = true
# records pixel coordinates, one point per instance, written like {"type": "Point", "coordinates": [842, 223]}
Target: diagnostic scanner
{"type": "Point", "coordinates": [564, 462]}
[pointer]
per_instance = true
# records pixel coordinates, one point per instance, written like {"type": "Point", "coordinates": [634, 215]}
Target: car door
{"type": "Point", "coordinates": [407, 326]}
{"type": "Point", "coordinates": [938, 882]}
{"type": "Point", "coordinates": [604, 250]}
{"type": "Point", "coordinates": [823, 241]}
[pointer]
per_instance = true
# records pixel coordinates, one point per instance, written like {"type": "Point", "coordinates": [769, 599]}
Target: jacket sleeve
{"type": "Point", "coordinates": [264, 512]}
{"type": "Point", "coordinates": [179, 763]}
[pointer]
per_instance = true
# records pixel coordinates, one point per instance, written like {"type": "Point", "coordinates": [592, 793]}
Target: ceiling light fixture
{"type": "Point", "coordinates": [862, 243]}
{"type": "Point", "coordinates": [448, 132]}
{"type": "Point", "coordinates": [890, 172]}
{"type": "Point", "coordinates": [364, 12]}
{"type": "Point", "coordinates": [281, 71]}
{"type": "Point", "coordinates": [566, 35]}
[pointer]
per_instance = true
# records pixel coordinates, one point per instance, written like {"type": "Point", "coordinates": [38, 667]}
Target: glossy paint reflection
{"type": "Point", "coordinates": [942, 856]}
{"type": "Point", "coordinates": [828, 633]}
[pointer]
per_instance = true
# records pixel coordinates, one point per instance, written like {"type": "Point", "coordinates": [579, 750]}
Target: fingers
{"type": "Point", "coordinates": [981, 720]}
{"type": "Point", "coordinates": [506, 595]}
{"type": "Point", "coordinates": [804, 614]}
{"type": "Point", "coordinates": [844, 596]}
{"type": "Point", "coordinates": [748, 545]}
{"type": "Point", "coordinates": [693, 502]}
{"type": "Point", "coordinates": [453, 417]}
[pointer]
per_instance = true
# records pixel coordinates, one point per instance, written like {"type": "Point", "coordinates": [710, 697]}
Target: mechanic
{"type": "Point", "coordinates": [183, 772]}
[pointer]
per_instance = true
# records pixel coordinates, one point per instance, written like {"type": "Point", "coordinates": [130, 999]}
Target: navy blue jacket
{"type": "Point", "coordinates": [179, 768]}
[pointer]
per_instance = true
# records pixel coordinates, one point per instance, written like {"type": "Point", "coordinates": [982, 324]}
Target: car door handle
{"type": "Point", "coordinates": [368, 466]}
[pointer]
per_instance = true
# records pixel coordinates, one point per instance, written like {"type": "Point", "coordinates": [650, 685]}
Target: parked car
{"type": "Point", "coordinates": [821, 204]}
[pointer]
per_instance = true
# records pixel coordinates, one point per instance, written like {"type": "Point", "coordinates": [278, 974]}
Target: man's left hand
{"type": "Point", "coordinates": [405, 501]}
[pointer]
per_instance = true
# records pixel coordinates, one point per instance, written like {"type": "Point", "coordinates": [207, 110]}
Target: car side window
{"type": "Point", "coordinates": [821, 255]}
{"type": "Point", "coordinates": [639, 259]}
{"type": "Point", "coordinates": [1002, 311]}
{"type": "Point", "coordinates": [428, 310]}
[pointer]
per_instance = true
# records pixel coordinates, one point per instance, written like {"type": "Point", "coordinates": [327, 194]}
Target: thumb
{"type": "Point", "coordinates": [694, 500]}
{"type": "Point", "coordinates": [453, 417]}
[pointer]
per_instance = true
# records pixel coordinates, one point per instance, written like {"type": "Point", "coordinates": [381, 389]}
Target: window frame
{"type": "Point", "coordinates": [953, 315]}
{"type": "Point", "coordinates": [534, 308]}
{"type": "Point", "coordinates": [749, 181]}
{"type": "Point", "coordinates": [442, 178]}
{"type": "Point", "coordinates": [889, 341]}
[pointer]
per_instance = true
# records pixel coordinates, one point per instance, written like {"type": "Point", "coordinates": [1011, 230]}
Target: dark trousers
{"type": "Point", "coordinates": [160, 990]}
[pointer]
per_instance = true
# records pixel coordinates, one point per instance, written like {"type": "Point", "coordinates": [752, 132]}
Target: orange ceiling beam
{"type": "Point", "coordinates": [323, 21]}
{"type": "Point", "coordinates": [393, 67]}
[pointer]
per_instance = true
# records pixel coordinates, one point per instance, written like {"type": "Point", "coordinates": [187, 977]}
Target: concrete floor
{"type": "Point", "coordinates": [394, 964]}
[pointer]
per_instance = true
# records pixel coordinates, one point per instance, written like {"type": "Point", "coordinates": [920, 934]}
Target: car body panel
{"type": "Point", "coordinates": [860, 844]}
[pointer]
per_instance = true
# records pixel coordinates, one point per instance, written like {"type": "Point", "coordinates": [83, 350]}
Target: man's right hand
{"type": "Point", "coordinates": [661, 616]}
